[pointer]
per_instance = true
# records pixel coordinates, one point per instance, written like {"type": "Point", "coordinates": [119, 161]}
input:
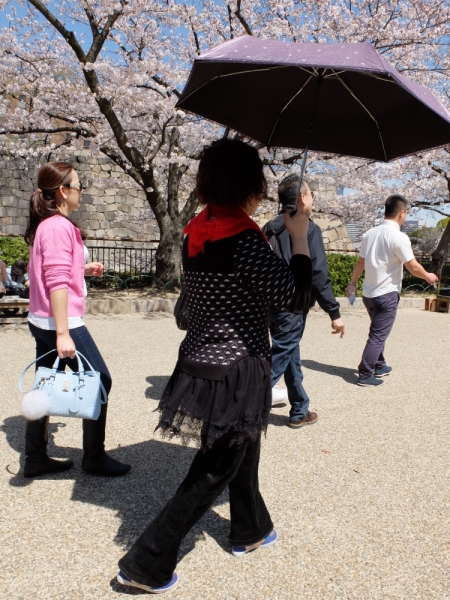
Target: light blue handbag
{"type": "Point", "coordinates": [64, 393]}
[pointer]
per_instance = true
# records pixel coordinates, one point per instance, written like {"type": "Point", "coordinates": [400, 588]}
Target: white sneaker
{"type": "Point", "coordinates": [279, 396]}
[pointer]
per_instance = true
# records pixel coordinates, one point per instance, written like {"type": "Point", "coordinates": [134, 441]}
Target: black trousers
{"type": "Point", "coordinates": [152, 559]}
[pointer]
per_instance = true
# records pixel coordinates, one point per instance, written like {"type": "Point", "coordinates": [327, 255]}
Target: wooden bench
{"type": "Point", "coordinates": [13, 303]}
{"type": "Point", "coordinates": [438, 304]}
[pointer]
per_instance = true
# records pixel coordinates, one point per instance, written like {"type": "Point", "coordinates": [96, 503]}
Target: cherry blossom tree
{"type": "Point", "coordinates": [110, 72]}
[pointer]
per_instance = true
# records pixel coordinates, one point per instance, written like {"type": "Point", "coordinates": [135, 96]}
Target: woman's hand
{"type": "Point", "coordinates": [65, 345]}
{"type": "Point", "coordinates": [297, 225]}
{"type": "Point", "coordinates": [93, 268]}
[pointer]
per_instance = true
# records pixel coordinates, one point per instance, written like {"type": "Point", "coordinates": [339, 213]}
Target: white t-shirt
{"type": "Point", "coordinates": [385, 249]}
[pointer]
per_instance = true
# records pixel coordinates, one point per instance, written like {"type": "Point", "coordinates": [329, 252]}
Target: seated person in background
{"type": "Point", "coordinates": [2, 278]}
{"type": "Point", "coordinates": [16, 278]}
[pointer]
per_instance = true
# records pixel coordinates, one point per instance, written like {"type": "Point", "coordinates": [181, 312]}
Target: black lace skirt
{"type": "Point", "coordinates": [203, 410]}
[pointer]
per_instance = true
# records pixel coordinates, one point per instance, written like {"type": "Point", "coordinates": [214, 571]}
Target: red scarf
{"type": "Point", "coordinates": [215, 223]}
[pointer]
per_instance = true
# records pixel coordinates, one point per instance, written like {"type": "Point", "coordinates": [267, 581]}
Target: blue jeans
{"type": "Point", "coordinates": [382, 312]}
{"type": "Point", "coordinates": [287, 330]}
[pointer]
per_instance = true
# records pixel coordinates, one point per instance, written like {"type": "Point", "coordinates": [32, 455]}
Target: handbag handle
{"type": "Point", "coordinates": [56, 365]}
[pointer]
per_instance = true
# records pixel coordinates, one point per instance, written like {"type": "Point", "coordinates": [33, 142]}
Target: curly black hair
{"type": "Point", "coordinates": [230, 173]}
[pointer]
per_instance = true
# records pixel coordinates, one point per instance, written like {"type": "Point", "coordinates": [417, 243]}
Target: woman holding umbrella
{"type": "Point", "coordinates": [220, 391]}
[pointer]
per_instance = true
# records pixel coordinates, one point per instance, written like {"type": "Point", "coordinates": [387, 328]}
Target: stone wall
{"type": "Point", "coordinates": [106, 205]}
{"type": "Point", "coordinates": [335, 236]}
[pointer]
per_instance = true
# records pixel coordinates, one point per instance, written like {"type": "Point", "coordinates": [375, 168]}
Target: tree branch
{"type": "Point", "coordinates": [189, 209]}
{"type": "Point", "coordinates": [241, 18]}
{"type": "Point", "coordinates": [69, 36]}
{"type": "Point", "coordinates": [100, 38]}
{"type": "Point", "coordinates": [27, 130]}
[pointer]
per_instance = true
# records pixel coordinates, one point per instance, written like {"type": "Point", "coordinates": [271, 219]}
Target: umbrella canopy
{"type": "Point", "coordinates": [338, 98]}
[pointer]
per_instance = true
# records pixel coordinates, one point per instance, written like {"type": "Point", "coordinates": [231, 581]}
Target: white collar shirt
{"type": "Point", "coordinates": [385, 249]}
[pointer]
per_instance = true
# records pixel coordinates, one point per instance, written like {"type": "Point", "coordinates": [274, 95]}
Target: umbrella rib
{"type": "Point", "coordinates": [285, 107]}
{"type": "Point", "coordinates": [229, 75]}
{"type": "Point", "coordinates": [348, 88]}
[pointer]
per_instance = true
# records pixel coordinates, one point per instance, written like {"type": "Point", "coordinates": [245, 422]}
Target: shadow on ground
{"type": "Point", "coordinates": [157, 386]}
{"type": "Point", "coordinates": [158, 469]}
{"type": "Point", "coordinates": [348, 375]}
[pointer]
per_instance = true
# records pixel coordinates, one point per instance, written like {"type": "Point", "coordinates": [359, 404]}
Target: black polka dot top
{"type": "Point", "coordinates": [229, 289]}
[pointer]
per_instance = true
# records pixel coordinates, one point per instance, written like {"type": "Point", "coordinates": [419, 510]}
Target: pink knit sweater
{"type": "Point", "coordinates": [56, 262]}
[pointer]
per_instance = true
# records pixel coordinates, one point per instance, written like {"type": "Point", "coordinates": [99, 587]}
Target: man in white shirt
{"type": "Point", "coordinates": [384, 251]}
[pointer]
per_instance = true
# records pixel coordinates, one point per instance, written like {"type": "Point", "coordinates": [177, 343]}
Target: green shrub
{"type": "Point", "coordinates": [12, 249]}
{"type": "Point", "coordinates": [340, 271]}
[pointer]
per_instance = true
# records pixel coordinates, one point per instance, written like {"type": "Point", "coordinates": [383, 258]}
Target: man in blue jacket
{"type": "Point", "coordinates": [287, 328]}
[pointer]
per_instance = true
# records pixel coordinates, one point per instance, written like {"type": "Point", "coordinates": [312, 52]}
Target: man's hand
{"type": "Point", "coordinates": [338, 326]}
{"type": "Point", "coordinates": [350, 290]}
{"type": "Point", "coordinates": [431, 278]}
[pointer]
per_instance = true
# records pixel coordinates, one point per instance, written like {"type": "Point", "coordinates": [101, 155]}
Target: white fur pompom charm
{"type": "Point", "coordinates": [35, 405]}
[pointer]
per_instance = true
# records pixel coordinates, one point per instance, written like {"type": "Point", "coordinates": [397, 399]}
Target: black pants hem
{"type": "Point", "coordinates": [152, 559]}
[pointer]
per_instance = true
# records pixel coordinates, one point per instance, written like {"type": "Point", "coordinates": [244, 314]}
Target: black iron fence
{"type": "Point", "coordinates": [135, 267]}
{"type": "Point", "coordinates": [124, 266]}
{"type": "Point", "coordinates": [414, 283]}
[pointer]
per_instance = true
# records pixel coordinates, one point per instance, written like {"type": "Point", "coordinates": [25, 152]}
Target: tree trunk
{"type": "Point", "coordinates": [439, 256]}
{"type": "Point", "coordinates": [168, 254]}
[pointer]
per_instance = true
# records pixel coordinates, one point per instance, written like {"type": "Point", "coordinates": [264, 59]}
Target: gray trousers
{"type": "Point", "coordinates": [382, 312]}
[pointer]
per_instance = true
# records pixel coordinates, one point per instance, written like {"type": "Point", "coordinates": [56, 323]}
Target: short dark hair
{"type": "Point", "coordinates": [19, 267]}
{"type": "Point", "coordinates": [288, 189]}
{"type": "Point", "coordinates": [395, 204]}
{"type": "Point", "coordinates": [229, 174]}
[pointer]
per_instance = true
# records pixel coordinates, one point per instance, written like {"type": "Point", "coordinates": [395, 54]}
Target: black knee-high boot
{"type": "Point", "coordinates": [95, 459]}
{"type": "Point", "coordinates": [37, 462]}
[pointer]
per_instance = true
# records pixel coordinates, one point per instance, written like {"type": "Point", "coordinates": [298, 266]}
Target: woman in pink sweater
{"type": "Point", "coordinates": [57, 305]}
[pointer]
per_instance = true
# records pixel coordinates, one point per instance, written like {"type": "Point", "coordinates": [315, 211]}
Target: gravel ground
{"type": "Point", "coordinates": [361, 500]}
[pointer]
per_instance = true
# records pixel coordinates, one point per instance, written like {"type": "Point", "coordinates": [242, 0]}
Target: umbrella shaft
{"type": "Point", "coordinates": [308, 139]}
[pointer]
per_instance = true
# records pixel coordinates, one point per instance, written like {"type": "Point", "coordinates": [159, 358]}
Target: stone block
{"type": "Point", "coordinates": [23, 205]}
{"type": "Point", "coordinates": [87, 199]}
{"type": "Point", "coordinates": [112, 306]}
{"type": "Point", "coordinates": [332, 235]}
{"type": "Point", "coordinates": [106, 167]}
{"type": "Point", "coordinates": [110, 192]}
{"type": "Point", "coordinates": [12, 229]}
{"type": "Point", "coordinates": [96, 169]}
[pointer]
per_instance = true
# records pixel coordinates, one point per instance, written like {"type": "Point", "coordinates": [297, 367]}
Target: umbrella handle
{"type": "Point", "coordinates": [305, 152]}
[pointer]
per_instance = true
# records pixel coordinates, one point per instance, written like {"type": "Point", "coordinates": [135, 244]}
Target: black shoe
{"type": "Point", "coordinates": [49, 465]}
{"type": "Point", "coordinates": [104, 465]}
{"type": "Point", "coordinates": [371, 381]}
{"type": "Point", "coordinates": [383, 371]}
